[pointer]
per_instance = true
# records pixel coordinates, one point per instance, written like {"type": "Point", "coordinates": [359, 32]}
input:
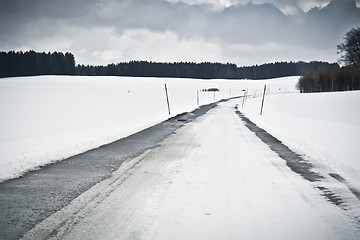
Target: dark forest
{"type": "Point", "coordinates": [13, 64]}
{"type": "Point", "coordinates": [330, 80]}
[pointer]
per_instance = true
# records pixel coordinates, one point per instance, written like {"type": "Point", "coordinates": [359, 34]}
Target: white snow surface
{"type": "Point", "coordinates": [44, 119]}
{"type": "Point", "coordinates": [325, 127]}
{"type": "Point", "coordinates": [213, 179]}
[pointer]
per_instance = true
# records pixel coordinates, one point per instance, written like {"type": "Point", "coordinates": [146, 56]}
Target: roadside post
{"type": "Point", "coordinates": [167, 99]}
{"type": "Point", "coordinates": [262, 103]}
{"type": "Point", "coordinates": [242, 105]}
{"type": "Point", "coordinates": [197, 97]}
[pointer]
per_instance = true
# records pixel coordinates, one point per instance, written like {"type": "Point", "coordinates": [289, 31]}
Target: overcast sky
{"type": "Point", "coordinates": [244, 32]}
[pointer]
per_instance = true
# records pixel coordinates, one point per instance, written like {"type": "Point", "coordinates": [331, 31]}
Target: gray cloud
{"type": "Point", "coordinates": [99, 31]}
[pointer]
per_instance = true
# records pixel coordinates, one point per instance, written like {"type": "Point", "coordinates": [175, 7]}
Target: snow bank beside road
{"type": "Point", "coordinates": [323, 126]}
{"type": "Point", "coordinates": [213, 179]}
{"type": "Point", "coordinates": [48, 118]}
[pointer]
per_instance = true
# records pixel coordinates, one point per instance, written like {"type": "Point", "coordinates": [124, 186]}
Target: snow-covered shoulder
{"type": "Point", "coordinates": [325, 127]}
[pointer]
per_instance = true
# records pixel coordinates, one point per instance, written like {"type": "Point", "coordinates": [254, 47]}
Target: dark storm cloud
{"type": "Point", "coordinates": [249, 23]}
{"type": "Point", "coordinates": [158, 15]}
{"type": "Point", "coordinates": [266, 23]}
{"type": "Point", "coordinates": [24, 21]}
{"type": "Point", "coordinates": [21, 19]}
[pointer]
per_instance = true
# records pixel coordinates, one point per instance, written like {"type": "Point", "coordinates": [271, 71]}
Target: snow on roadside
{"type": "Point", "coordinates": [208, 181]}
{"type": "Point", "coordinates": [325, 127]}
{"type": "Point", "coordinates": [44, 119]}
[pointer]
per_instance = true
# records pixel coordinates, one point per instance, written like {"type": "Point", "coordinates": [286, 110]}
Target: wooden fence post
{"type": "Point", "coordinates": [197, 97]}
{"type": "Point", "coordinates": [262, 104]}
{"type": "Point", "coordinates": [242, 105]}
{"type": "Point", "coordinates": [167, 98]}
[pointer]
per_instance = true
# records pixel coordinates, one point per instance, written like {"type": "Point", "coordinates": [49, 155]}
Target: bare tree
{"type": "Point", "coordinates": [350, 48]}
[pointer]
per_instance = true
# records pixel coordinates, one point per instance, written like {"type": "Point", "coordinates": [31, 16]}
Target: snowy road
{"type": "Point", "coordinates": [213, 179]}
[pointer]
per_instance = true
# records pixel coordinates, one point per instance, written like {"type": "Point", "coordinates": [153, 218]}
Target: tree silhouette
{"type": "Point", "coordinates": [31, 63]}
{"type": "Point", "coordinates": [350, 48]}
{"type": "Point", "coordinates": [13, 64]}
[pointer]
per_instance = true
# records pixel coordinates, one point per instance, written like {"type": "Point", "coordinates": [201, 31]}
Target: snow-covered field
{"type": "Point", "coordinates": [325, 127]}
{"type": "Point", "coordinates": [213, 179]}
{"type": "Point", "coordinates": [48, 118]}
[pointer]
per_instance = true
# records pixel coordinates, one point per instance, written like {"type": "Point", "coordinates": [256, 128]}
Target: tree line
{"type": "Point", "coordinates": [31, 63]}
{"type": "Point", "coordinates": [346, 78]}
{"type": "Point", "coordinates": [205, 70]}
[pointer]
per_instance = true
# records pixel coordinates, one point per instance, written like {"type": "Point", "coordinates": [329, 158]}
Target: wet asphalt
{"type": "Point", "coordinates": [28, 200]}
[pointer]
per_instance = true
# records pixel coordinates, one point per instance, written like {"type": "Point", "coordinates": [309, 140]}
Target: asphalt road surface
{"type": "Point", "coordinates": [26, 201]}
